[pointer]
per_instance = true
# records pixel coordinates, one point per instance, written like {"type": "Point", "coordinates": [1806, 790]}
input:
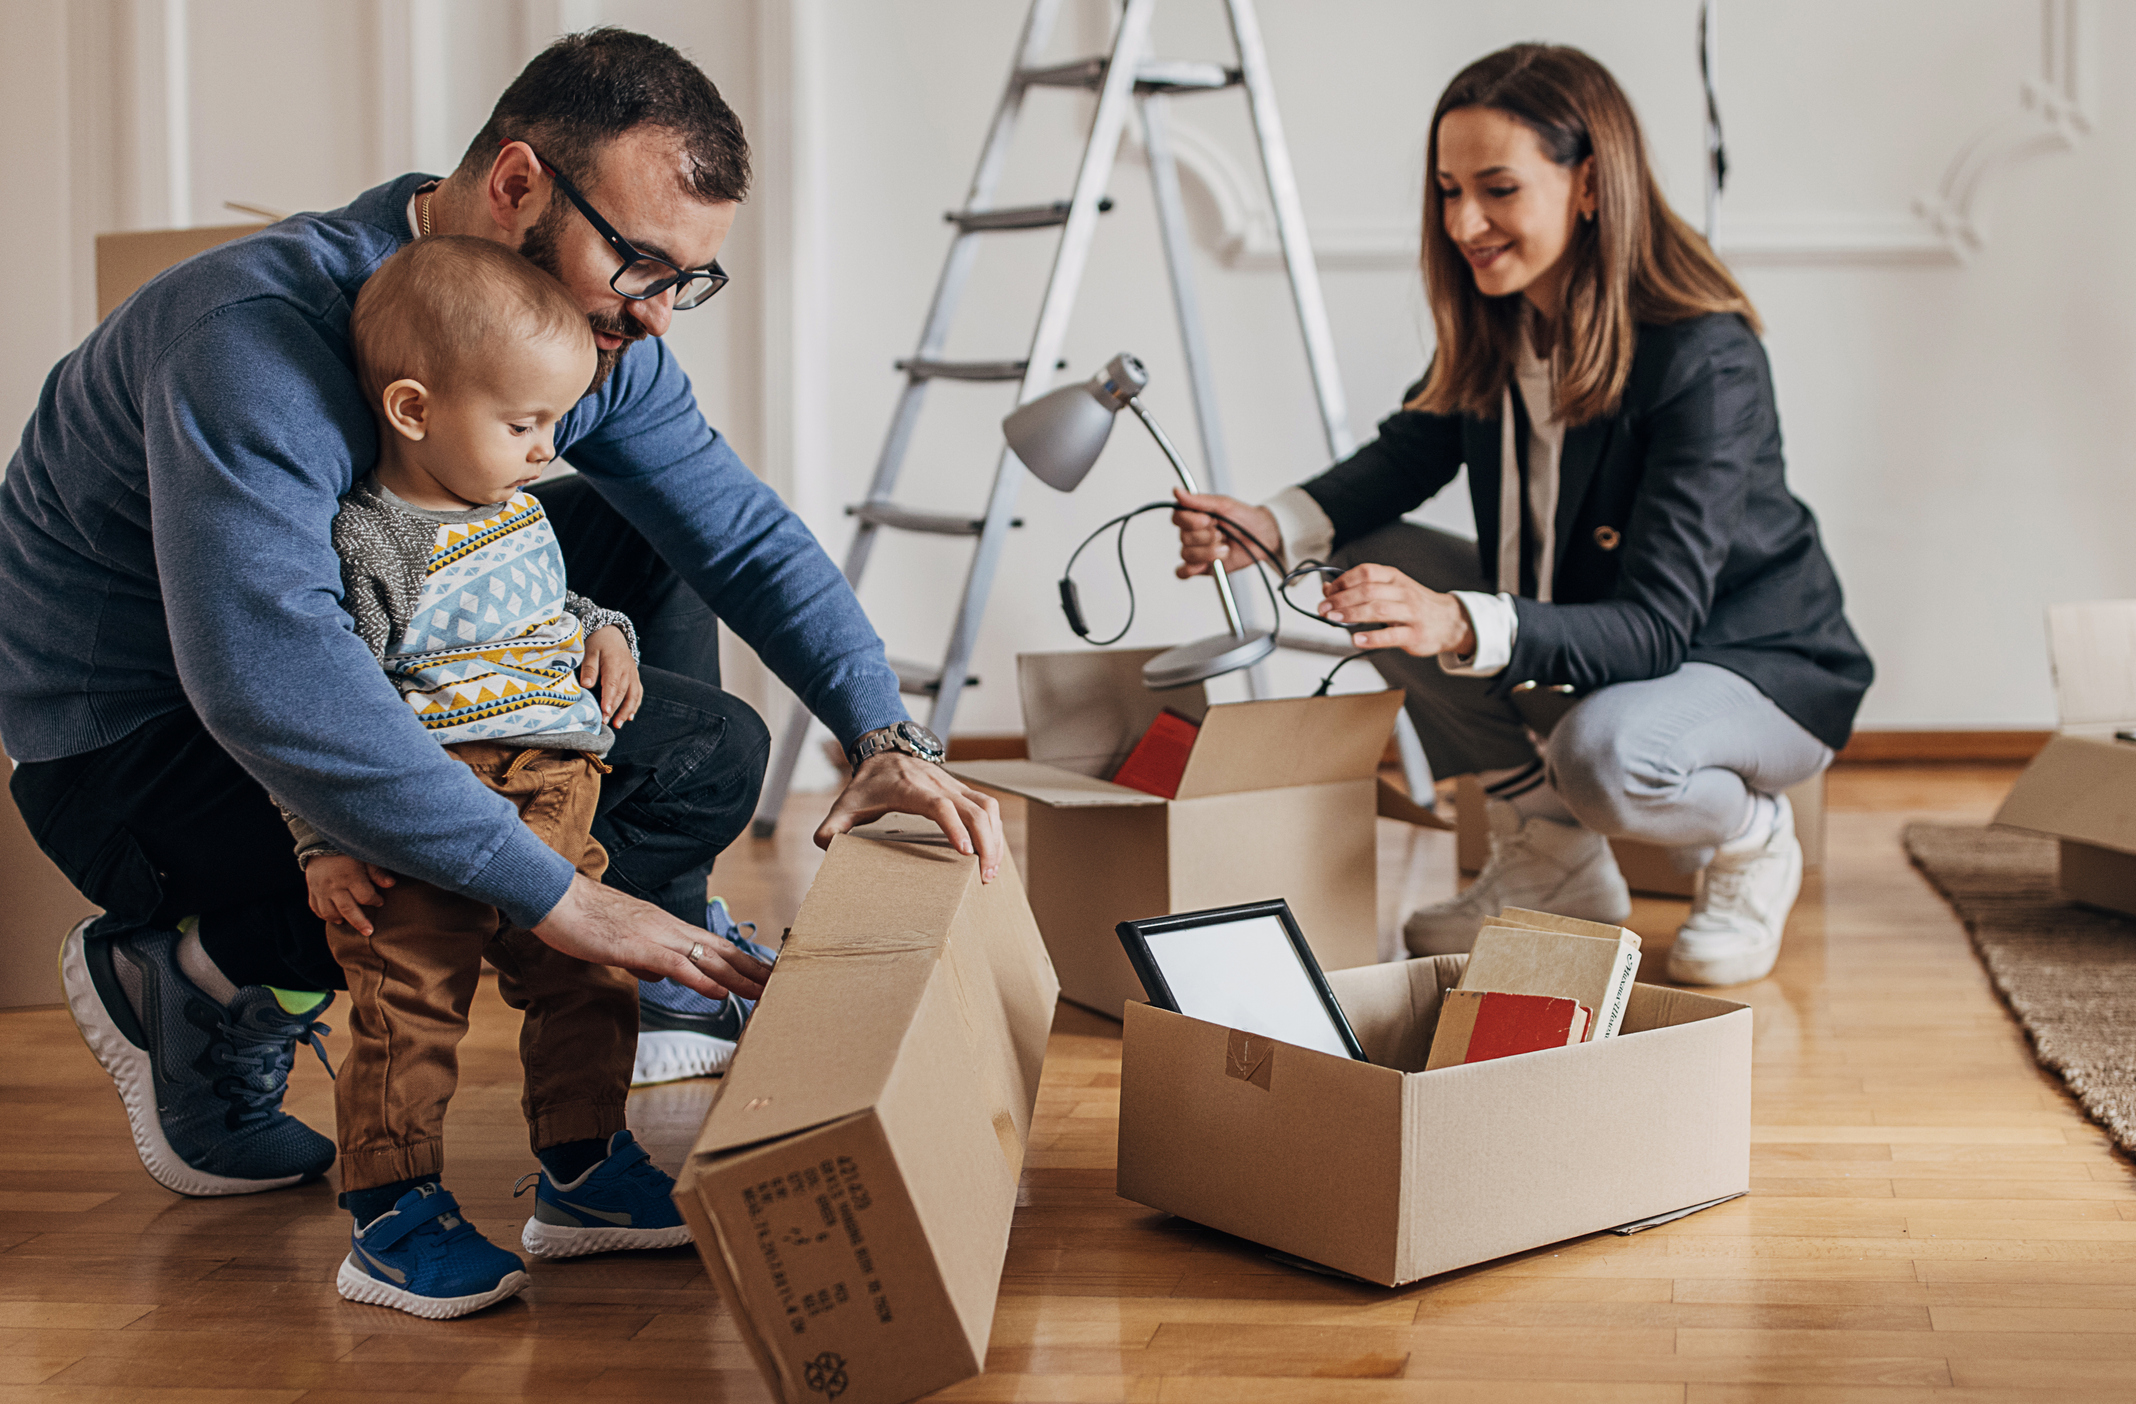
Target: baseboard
{"type": "Point", "coordinates": [1867, 747]}
{"type": "Point", "coordinates": [1916, 747]}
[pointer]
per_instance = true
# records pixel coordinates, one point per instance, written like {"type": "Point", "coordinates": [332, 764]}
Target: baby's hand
{"type": "Point", "coordinates": [608, 663]}
{"type": "Point", "coordinates": [340, 887]}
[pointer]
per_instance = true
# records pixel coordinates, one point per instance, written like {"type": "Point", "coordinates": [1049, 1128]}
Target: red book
{"type": "Point", "coordinates": [1160, 757]}
{"type": "Point", "coordinates": [1477, 1025]}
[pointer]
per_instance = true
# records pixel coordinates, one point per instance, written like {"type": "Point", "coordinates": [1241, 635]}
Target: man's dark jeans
{"type": "Point", "coordinates": [163, 824]}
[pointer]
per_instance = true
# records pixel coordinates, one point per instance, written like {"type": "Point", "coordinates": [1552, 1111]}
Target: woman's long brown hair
{"type": "Point", "coordinates": [1635, 261]}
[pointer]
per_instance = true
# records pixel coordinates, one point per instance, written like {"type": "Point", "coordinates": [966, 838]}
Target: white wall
{"type": "Point", "coordinates": [1951, 382]}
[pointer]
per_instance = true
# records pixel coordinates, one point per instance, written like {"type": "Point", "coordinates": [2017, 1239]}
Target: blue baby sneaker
{"type": "Point", "coordinates": [626, 1201]}
{"type": "Point", "coordinates": [201, 1082]}
{"type": "Point", "coordinates": [423, 1258]}
{"type": "Point", "coordinates": [681, 1033]}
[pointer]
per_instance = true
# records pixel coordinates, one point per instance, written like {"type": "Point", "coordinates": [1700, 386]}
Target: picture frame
{"type": "Point", "coordinates": [1246, 967]}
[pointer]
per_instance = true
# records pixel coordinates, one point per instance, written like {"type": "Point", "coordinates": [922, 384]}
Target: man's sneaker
{"type": "Point", "coordinates": [1740, 912]}
{"type": "Point", "coordinates": [423, 1257]}
{"type": "Point", "coordinates": [1541, 864]}
{"type": "Point", "coordinates": [681, 1033]}
{"type": "Point", "coordinates": [202, 1083]}
{"type": "Point", "coordinates": [626, 1201]}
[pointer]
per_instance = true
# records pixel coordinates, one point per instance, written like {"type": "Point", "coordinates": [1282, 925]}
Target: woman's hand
{"type": "Point", "coordinates": [1416, 620]}
{"type": "Point", "coordinates": [1200, 542]}
{"type": "Point", "coordinates": [609, 664]}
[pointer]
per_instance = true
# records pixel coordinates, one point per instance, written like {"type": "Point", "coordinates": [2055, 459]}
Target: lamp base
{"type": "Point", "coordinates": [1205, 659]}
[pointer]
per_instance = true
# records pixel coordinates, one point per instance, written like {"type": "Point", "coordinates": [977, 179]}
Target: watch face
{"type": "Point", "coordinates": [926, 743]}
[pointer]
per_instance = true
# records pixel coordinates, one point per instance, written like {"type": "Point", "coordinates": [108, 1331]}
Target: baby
{"type": "Point", "coordinates": [469, 355]}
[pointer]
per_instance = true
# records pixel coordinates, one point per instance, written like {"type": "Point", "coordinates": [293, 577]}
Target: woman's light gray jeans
{"type": "Point", "coordinates": [1670, 760]}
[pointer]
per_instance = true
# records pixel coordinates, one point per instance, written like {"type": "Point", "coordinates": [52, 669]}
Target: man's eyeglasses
{"type": "Point", "coordinates": [642, 276]}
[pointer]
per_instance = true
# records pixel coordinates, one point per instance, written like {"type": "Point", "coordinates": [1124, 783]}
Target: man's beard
{"type": "Point", "coordinates": [540, 249]}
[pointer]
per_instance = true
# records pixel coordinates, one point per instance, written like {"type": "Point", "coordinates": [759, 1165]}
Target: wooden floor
{"type": "Point", "coordinates": [1930, 1217]}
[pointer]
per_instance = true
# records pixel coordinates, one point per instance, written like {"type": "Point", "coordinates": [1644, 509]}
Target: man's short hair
{"type": "Point", "coordinates": [585, 90]}
{"type": "Point", "coordinates": [440, 306]}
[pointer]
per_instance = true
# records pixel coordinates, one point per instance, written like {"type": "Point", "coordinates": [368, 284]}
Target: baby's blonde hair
{"type": "Point", "coordinates": [439, 307]}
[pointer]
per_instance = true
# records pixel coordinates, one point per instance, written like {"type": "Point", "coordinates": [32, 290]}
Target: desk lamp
{"type": "Point", "coordinates": [1059, 436]}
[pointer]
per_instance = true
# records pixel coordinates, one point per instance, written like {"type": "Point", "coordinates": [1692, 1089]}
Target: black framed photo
{"type": "Point", "coordinates": [1247, 968]}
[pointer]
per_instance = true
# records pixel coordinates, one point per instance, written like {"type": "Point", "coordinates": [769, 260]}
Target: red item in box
{"type": "Point", "coordinates": [1160, 757]}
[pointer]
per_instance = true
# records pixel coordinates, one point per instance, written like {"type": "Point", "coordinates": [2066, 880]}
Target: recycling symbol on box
{"type": "Point", "coordinates": [826, 1374]}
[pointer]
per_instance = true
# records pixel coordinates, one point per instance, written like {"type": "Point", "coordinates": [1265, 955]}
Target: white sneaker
{"type": "Point", "coordinates": [1733, 934]}
{"type": "Point", "coordinates": [1541, 864]}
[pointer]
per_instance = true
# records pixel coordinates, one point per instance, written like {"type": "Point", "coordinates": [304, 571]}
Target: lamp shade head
{"type": "Point", "coordinates": [1060, 434]}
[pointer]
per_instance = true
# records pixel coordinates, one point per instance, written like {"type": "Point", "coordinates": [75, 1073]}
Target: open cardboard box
{"type": "Point", "coordinates": [2081, 787]}
{"type": "Point", "coordinates": [1278, 800]}
{"type": "Point", "coordinates": [1391, 1174]}
{"type": "Point", "coordinates": [1646, 867]}
{"type": "Point", "coordinates": [851, 1191]}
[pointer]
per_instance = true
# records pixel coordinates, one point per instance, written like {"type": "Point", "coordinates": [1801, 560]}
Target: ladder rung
{"type": "Point", "coordinates": [920, 369]}
{"type": "Point", "coordinates": [921, 677]}
{"type": "Point", "coordinates": [888, 514]}
{"type": "Point", "coordinates": [1185, 76]}
{"type": "Point", "coordinates": [1022, 217]}
{"type": "Point", "coordinates": [1154, 75]}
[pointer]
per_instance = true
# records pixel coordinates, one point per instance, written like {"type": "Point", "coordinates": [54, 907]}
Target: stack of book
{"type": "Point", "coordinates": [1536, 981]}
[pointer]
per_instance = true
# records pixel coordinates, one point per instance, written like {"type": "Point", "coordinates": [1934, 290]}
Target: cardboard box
{"type": "Point", "coordinates": [1278, 800]}
{"type": "Point", "coordinates": [2081, 787]}
{"type": "Point", "coordinates": [1392, 1174]}
{"type": "Point", "coordinates": [125, 261]}
{"type": "Point", "coordinates": [852, 1188]}
{"type": "Point", "coordinates": [1646, 867]}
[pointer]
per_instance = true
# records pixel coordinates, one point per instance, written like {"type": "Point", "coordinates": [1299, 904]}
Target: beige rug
{"type": "Point", "coordinates": [2068, 972]}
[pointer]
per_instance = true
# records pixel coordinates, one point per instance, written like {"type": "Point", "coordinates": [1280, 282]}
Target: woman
{"type": "Point", "coordinates": [1599, 373]}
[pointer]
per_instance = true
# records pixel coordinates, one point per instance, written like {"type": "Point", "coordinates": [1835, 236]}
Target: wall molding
{"type": "Point", "coordinates": [1944, 227]}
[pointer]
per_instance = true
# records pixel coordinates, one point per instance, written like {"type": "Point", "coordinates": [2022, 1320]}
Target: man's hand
{"type": "Point", "coordinates": [891, 782]}
{"type": "Point", "coordinates": [340, 887]}
{"type": "Point", "coordinates": [609, 664]}
{"type": "Point", "coordinates": [607, 927]}
{"type": "Point", "coordinates": [1419, 621]}
{"type": "Point", "coordinates": [1200, 542]}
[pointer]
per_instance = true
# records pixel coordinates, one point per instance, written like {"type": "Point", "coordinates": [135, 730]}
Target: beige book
{"type": "Point", "coordinates": [1524, 952]}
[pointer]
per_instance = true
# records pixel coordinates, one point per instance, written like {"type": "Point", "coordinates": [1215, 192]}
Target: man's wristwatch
{"type": "Point", "coordinates": [909, 737]}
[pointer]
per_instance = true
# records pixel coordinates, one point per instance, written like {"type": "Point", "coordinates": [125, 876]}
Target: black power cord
{"type": "Point", "coordinates": [1234, 533]}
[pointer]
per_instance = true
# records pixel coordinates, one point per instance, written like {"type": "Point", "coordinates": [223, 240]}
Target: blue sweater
{"type": "Point", "coordinates": [165, 539]}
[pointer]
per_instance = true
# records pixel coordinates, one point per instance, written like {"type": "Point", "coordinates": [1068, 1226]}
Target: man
{"type": "Point", "coordinates": [174, 645]}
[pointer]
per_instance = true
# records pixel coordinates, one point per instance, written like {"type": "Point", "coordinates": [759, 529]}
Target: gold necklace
{"type": "Point", "coordinates": [428, 196]}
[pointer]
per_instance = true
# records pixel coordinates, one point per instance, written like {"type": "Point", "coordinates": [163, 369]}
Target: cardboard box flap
{"type": "Point", "coordinates": [2091, 650]}
{"type": "Point", "coordinates": [2078, 787]}
{"type": "Point", "coordinates": [1289, 741]}
{"type": "Point", "coordinates": [1048, 784]}
{"type": "Point", "coordinates": [1084, 711]}
{"type": "Point", "coordinates": [1394, 1009]}
{"type": "Point", "coordinates": [1659, 1007]}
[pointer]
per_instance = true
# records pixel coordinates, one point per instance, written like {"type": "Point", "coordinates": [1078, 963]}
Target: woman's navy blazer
{"type": "Point", "coordinates": [1677, 539]}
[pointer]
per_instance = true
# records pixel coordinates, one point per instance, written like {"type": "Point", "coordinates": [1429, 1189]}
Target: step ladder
{"type": "Point", "coordinates": [1126, 80]}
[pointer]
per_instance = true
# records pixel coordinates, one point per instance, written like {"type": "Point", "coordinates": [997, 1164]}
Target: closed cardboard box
{"type": "Point", "coordinates": [2081, 787]}
{"type": "Point", "coordinates": [125, 261]}
{"type": "Point", "coordinates": [852, 1188]}
{"type": "Point", "coordinates": [1390, 1173]}
{"type": "Point", "coordinates": [1278, 800]}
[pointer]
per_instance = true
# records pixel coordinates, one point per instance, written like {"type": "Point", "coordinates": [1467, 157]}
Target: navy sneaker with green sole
{"type": "Point", "coordinates": [626, 1201]}
{"type": "Point", "coordinates": [201, 1082]}
{"type": "Point", "coordinates": [423, 1257]}
{"type": "Point", "coordinates": [682, 1033]}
